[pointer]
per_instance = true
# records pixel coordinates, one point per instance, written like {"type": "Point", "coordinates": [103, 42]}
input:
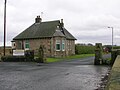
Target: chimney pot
{"type": "Point", "coordinates": [61, 23]}
{"type": "Point", "coordinates": [61, 20]}
{"type": "Point", "coordinates": [38, 19]}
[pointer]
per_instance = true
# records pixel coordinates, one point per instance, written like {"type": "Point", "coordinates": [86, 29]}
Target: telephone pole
{"type": "Point", "coordinates": [4, 24]}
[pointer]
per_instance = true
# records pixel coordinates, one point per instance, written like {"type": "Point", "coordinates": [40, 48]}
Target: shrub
{"type": "Point", "coordinates": [40, 60]}
{"type": "Point", "coordinates": [29, 55]}
{"type": "Point", "coordinates": [13, 58]}
{"type": "Point", "coordinates": [116, 47]}
{"type": "Point", "coordinates": [84, 49]}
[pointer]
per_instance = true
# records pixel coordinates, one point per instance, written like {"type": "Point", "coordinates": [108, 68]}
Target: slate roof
{"type": "Point", "coordinates": [42, 30]}
{"type": "Point", "coordinates": [58, 33]}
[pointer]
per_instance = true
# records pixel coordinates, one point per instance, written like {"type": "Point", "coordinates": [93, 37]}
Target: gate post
{"type": "Point", "coordinates": [41, 54]}
{"type": "Point", "coordinates": [98, 54]}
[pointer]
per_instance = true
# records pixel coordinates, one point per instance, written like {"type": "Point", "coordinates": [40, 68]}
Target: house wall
{"type": "Point", "coordinates": [50, 46]}
{"type": "Point", "coordinates": [35, 44]}
{"type": "Point", "coordinates": [18, 44]}
{"type": "Point", "coordinates": [70, 47]}
{"type": "Point", "coordinates": [55, 53]}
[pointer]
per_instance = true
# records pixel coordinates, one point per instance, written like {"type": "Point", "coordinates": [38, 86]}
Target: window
{"type": "Point", "coordinates": [19, 46]}
{"type": "Point", "coordinates": [27, 46]}
{"type": "Point", "coordinates": [63, 45]}
{"type": "Point", "coordinates": [58, 45]}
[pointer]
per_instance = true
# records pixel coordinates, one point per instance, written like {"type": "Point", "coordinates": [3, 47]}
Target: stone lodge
{"type": "Point", "coordinates": [57, 41]}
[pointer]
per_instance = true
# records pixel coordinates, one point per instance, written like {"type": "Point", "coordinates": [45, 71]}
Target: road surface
{"type": "Point", "coordinates": [78, 74]}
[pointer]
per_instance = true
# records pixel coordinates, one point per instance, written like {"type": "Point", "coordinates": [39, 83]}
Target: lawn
{"type": "Point", "coordinates": [69, 58]}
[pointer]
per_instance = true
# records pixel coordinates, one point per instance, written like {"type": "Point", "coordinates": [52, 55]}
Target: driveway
{"type": "Point", "coordinates": [78, 74]}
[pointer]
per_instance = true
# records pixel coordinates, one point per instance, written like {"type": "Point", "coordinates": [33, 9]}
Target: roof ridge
{"type": "Point", "coordinates": [51, 21]}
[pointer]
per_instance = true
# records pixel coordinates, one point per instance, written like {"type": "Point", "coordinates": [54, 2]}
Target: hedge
{"type": "Point", "coordinates": [16, 59]}
{"type": "Point", "coordinates": [84, 49]}
{"type": "Point", "coordinates": [13, 58]}
{"type": "Point", "coordinates": [28, 57]}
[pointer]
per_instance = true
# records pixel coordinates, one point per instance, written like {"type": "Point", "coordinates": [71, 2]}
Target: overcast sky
{"type": "Point", "coordinates": [87, 20]}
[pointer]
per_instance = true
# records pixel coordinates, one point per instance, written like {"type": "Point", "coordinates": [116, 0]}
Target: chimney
{"type": "Point", "coordinates": [61, 23]}
{"type": "Point", "coordinates": [38, 19]}
{"type": "Point", "coordinates": [62, 26]}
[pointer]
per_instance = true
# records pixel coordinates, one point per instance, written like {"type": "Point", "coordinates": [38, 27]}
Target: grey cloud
{"type": "Point", "coordinates": [87, 20]}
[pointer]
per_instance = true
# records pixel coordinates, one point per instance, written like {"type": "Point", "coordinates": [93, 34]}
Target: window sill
{"type": "Point", "coordinates": [58, 50]}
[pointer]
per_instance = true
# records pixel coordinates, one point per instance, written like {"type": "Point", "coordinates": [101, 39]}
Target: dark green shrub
{"type": "Point", "coordinates": [29, 55]}
{"type": "Point", "coordinates": [84, 49]}
{"type": "Point", "coordinates": [39, 60]}
{"type": "Point", "coordinates": [13, 58]}
{"type": "Point", "coordinates": [116, 47]}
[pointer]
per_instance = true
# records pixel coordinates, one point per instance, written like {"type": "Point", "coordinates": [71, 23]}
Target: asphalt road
{"type": "Point", "coordinates": [78, 74]}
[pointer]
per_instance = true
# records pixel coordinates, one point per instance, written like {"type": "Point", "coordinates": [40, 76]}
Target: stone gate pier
{"type": "Point", "coordinates": [98, 54]}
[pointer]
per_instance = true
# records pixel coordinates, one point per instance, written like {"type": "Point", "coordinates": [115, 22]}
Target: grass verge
{"type": "Point", "coordinates": [49, 60]}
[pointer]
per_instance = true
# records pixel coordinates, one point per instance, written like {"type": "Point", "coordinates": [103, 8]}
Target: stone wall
{"type": "Point", "coordinates": [35, 44]}
{"type": "Point", "coordinates": [8, 51]}
{"type": "Point", "coordinates": [50, 46]}
{"type": "Point", "coordinates": [114, 54]}
{"type": "Point", "coordinates": [114, 80]}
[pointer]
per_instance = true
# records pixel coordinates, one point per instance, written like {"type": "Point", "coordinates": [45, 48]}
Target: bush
{"type": "Point", "coordinates": [116, 47]}
{"type": "Point", "coordinates": [84, 49]}
{"type": "Point", "coordinates": [29, 55]}
{"type": "Point", "coordinates": [13, 58]}
{"type": "Point", "coordinates": [40, 60]}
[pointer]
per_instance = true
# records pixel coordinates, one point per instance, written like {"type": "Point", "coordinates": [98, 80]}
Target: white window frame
{"type": "Point", "coordinates": [63, 45]}
{"type": "Point", "coordinates": [58, 43]}
{"type": "Point", "coordinates": [27, 42]}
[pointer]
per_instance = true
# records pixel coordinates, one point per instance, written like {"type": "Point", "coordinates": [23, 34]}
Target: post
{"type": "Point", "coordinates": [112, 36]}
{"type": "Point", "coordinates": [41, 54]}
{"type": "Point", "coordinates": [98, 54]}
{"type": "Point", "coordinates": [4, 26]}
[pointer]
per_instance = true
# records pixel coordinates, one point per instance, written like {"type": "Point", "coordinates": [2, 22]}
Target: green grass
{"type": "Point", "coordinates": [49, 60]}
